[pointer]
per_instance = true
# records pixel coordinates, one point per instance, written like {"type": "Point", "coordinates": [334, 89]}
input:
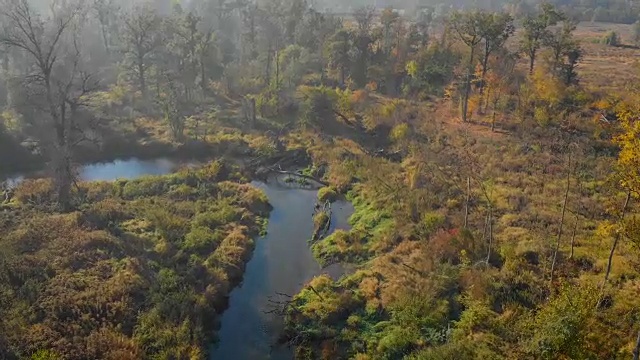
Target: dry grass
{"type": "Point", "coordinates": [607, 69]}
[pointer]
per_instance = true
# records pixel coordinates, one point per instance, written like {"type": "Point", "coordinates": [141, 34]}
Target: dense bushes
{"type": "Point", "coordinates": [443, 277]}
{"type": "Point", "coordinates": [141, 270]}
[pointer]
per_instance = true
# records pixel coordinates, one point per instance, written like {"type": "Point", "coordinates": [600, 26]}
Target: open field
{"type": "Point", "coordinates": [606, 68]}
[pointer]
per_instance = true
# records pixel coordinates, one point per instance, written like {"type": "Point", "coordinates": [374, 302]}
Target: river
{"type": "Point", "coordinates": [281, 262]}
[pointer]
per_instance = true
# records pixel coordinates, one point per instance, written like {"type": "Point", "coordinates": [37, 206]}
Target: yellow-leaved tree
{"type": "Point", "coordinates": [628, 172]}
{"type": "Point", "coordinates": [629, 142]}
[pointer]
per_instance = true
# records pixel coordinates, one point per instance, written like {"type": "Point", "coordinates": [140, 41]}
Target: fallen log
{"type": "Point", "coordinates": [308, 177]}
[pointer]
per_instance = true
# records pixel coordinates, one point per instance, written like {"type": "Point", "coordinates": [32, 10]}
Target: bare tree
{"type": "Point", "coordinates": [466, 202]}
{"type": "Point", "coordinates": [573, 236]}
{"type": "Point", "coordinates": [564, 209]}
{"type": "Point", "coordinates": [105, 12]}
{"type": "Point", "coordinates": [57, 83]}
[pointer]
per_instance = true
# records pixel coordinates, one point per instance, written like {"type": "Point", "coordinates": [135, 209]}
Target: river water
{"type": "Point", "coordinates": [281, 263]}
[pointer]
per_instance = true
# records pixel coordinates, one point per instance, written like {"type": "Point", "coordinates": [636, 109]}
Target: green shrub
{"type": "Point", "coordinates": [212, 219]}
{"type": "Point", "coordinates": [320, 220]}
{"type": "Point", "coordinates": [327, 194]}
{"type": "Point", "coordinates": [611, 38]}
{"type": "Point", "coordinates": [213, 172]}
{"type": "Point", "coordinates": [170, 226]}
{"type": "Point", "coordinates": [145, 186]}
{"type": "Point", "coordinates": [541, 116]}
{"type": "Point", "coordinates": [45, 355]}
{"type": "Point", "coordinates": [183, 192]}
{"type": "Point", "coordinates": [431, 222]}
{"type": "Point", "coordinates": [399, 132]}
{"type": "Point", "coordinates": [102, 213]}
{"type": "Point", "coordinates": [202, 240]}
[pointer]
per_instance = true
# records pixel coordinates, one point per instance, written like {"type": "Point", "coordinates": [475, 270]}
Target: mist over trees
{"type": "Point", "coordinates": [462, 132]}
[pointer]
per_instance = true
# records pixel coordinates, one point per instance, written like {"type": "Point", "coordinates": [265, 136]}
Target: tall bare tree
{"type": "Point", "coordinates": [564, 209]}
{"type": "Point", "coordinates": [105, 11]}
{"type": "Point", "coordinates": [57, 84]}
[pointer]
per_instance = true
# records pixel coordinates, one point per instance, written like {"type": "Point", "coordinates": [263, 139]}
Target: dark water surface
{"type": "Point", "coordinates": [282, 262]}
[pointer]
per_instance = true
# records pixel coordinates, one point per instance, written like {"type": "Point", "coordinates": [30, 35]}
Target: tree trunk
{"type": "Point", "coordinates": [467, 88]}
{"type": "Point", "coordinates": [60, 156]}
{"type": "Point", "coordinates": [253, 112]}
{"type": "Point", "coordinates": [105, 40]}
{"type": "Point", "coordinates": [564, 208]}
{"type": "Point", "coordinates": [61, 161]}
{"type": "Point", "coordinates": [573, 236]}
{"type": "Point", "coordinates": [277, 69]}
{"type": "Point", "coordinates": [485, 60]}
{"type": "Point", "coordinates": [636, 349]}
{"type": "Point", "coordinates": [493, 120]}
{"type": "Point", "coordinates": [532, 59]}
{"type": "Point", "coordinates": [616, 239]}
{"type": "Point", "coordinates": [141, 79]}
{"type": "Point", "coordinates": [63, 177]}
{"type": "Point", "coordinates": [485, 227]}
{"type": "Point", "coordinates": [466, 204]}
{"type": "Point", "coordinates": [203, 76]}
{"type": "Point", "coordinates": [490, 233]}
{"type": "Point", "coordinates": [267, 73]}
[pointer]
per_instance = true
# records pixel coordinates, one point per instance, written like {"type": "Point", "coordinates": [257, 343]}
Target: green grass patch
{"type": "Point", "coordinates": [369, 226]}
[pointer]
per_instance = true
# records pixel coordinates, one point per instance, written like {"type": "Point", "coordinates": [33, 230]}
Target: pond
{"type": "Point", "coordinates": [118, 169]}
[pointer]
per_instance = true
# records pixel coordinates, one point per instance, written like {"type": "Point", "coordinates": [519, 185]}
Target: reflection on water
{"type": "Point", "coordinates": [282, 262]}
{"type": "Point", "coordinates": [109, 171]}
{"type": "Point", "coordinates": [126, 169]}
{"type": "Point", "coordinates": [12, 181]}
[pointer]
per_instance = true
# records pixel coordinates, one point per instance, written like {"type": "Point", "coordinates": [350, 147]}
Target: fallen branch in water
{"type": "Point", "coordinates": [279, 306]}
{"type": "Point", "coordinates": [308, 177]}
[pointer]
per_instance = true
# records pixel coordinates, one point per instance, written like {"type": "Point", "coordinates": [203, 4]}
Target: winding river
{"type": "Point", "coordinates": [281, 263]}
